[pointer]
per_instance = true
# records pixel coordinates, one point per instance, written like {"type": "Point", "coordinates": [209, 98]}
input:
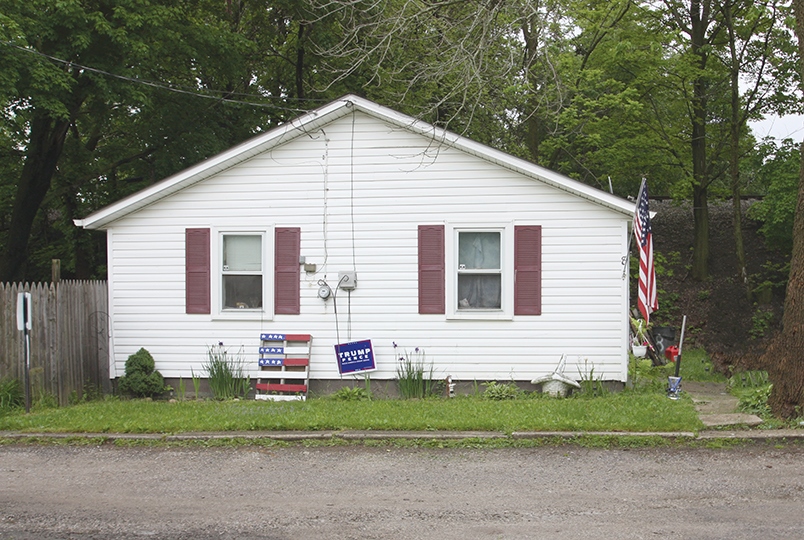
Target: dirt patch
{"type": "Point", "coordinates": [720, 316]}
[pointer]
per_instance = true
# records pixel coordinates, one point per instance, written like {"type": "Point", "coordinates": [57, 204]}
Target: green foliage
{"type": "Point", "coordinates": [179, 45]}
{"type": "Point", "coordinates": [590, 384]}
{"type": "Point", "coordinates": [666, 264]}
{"type": "Point", "coordinates": [772, 278]}
{"type": "Point", "coordinates": [502, 391]}
{"type": "Point", "coordinates": [414, 376]}
{"type": "Point", "coordinates": [779, 172]}
{"type": "Point", "coordinates": [141, 379]}
{"type": "Point", "coordinates": [751, 379]}
{"type": "Point", "coordinates": [90, 392]}
{"type": "Point", "coordinates": [196, 383]}
{"type": "Point", "coordinates": [11, 394]}
{"type": "Point", "coordinates": [351, 394]}
{"type": "Point", "coordinates": [226, 373]}
{"type": "Point", "coordinates": [755, 401]}
{"type": "Point", "coordinates": [181, 391]}
{"type": "Point", "coordinates": [140, 362]}
{"type": "Point", "coordinates": [645, 377]}
{"type": "Point", "coordinates": [697, 366]}
{"type": "Point", "coordinates": [761, 321]}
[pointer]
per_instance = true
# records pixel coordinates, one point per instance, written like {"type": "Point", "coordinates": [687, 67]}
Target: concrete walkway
{"type": "Point", "coordinates": [716, 407]}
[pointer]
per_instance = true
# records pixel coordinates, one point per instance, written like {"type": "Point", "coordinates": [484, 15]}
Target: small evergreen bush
{"type": "Point", "coordinates": [141, 379]}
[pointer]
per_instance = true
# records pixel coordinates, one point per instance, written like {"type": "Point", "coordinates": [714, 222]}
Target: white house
{"type": "Point", "coordinates": [494, 266]}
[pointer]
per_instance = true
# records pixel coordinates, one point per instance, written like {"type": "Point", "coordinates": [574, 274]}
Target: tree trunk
{"type": "Point", "coordinates": [735, 127]}
{"type": "Point", "coordinates": [299, 67]}
{"type": "Point", "coordinates": [43, 152]}
{"type": "Point", "coordinates": [533, 125]}
{"type": "Point", "coordinates": [734, 167]}
{"type": "Point", "coordinates": [700, 246]}
{"type": "Point", "coordinates": [784, 358]}
{"type": "Point", "coordinates": [700, 250]}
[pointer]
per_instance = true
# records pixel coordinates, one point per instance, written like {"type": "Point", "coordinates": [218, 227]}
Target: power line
{"type": "Point", "coordinates": [169, 88]}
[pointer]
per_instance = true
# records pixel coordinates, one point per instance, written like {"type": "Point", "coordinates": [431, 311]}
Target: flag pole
{"type": "Point", "coordinates": [631, 236]}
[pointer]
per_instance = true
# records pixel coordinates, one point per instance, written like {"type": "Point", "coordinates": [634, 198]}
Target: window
{"type": "Point", "coordinates": [243, 281]}
{"type": "Point", "coordinates": [480, 272]}
{"type": "Point", "coordinates": [242, 271]}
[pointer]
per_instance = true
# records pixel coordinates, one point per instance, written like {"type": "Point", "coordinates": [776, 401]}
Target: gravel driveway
{"type": "Point", "coordinates": [753, 491]}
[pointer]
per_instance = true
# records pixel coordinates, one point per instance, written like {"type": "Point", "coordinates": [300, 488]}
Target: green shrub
{"type": "Point", "coordinates": [498, 392]}
{"type": "Point", "coordinates": [11, 394]}
{"type": "Point", "coordinates": [351, 394]}
{"type": "Point", "coordinates": [141, 380]}
{"type": "Point", "coordinates": [756, 401]}
{"type": "Point", "coordinates": [226, 373]}
{"type": "Point", "coordinates": [140, 362]}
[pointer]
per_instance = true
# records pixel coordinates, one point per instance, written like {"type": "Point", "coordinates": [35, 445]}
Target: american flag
{"type": "Point", "coordinates": [646, 297]}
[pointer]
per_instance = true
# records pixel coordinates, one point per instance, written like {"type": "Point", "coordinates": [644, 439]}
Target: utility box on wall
{"type": "Point", "coordinates": [347, 280]}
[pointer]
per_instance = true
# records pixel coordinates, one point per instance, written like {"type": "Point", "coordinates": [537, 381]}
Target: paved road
{"type": "Point", "coordinates": [754, 491]}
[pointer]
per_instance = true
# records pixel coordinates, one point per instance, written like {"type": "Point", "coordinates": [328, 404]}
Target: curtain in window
{"type": "Point", "coordinates": [479, 251]}
{"type": "Point", "coordinates": [242, 253]}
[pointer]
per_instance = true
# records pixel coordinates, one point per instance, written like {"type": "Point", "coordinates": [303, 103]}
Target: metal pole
{"type": "Point", "coordinates": [27, 348]}
{"type": "Point", "coordinates": [680, 345]}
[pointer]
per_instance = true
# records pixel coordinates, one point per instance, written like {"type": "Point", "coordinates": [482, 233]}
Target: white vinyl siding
{"type": "Point", "coordinates": [358, 204]}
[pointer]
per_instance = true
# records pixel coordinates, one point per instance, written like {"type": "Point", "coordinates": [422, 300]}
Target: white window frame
{"type": "Point", "coordinates": [506, 311]}
{"type": "Point", "coordinates": [217, 273]}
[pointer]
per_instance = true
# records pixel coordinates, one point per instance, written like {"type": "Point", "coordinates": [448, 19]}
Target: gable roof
{"type": "Point", "coordinates": [321, 117]}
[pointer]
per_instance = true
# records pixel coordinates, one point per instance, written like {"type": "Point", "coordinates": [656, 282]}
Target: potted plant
{"type": "Point", "coordinates": [639, 339]}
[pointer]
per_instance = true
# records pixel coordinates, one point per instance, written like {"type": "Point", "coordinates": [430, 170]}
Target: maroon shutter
{"type": "Point", "coordinates": [287, 274]}
{"type": "Point", "coordinates": [431, 269]}
{"type": "Point", "coordinates": [197, 274]}
{"type": "Point", "coordinates": [528, 270]}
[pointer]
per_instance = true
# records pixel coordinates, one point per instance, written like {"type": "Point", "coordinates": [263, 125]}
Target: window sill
{"type": "Point", "coordinates": [480, 315]}
{"type": "Point", "coordinates": [242, 315]}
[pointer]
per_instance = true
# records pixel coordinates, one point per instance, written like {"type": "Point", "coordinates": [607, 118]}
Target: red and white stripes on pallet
{"type": "Point", "coordinates": [284, 367]}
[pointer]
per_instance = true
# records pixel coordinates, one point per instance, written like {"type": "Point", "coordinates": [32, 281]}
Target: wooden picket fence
{"type": "Point", "coordinates": [69, 338]}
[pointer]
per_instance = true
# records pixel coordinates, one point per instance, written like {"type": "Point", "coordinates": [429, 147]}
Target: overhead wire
{"type": "Point", "coordinates": [207, 94]}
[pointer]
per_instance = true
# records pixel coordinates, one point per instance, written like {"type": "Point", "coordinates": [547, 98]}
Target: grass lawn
{"type": "Point", "coordinates": [626, 411]}
{"type": "Point", "coordinates": [644, 408]}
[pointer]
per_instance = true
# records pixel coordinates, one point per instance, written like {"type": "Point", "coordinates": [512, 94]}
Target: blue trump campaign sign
{"type": "Point", "coordinates": [355, 357]}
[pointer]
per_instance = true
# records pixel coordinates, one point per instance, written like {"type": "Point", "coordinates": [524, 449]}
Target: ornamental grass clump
{"type": "Point", "coordinates": [226, 373]}
{"type": "Point", "coordinates": [414, 377]}
{"type": "Point", "coordinates": [11, 394]}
